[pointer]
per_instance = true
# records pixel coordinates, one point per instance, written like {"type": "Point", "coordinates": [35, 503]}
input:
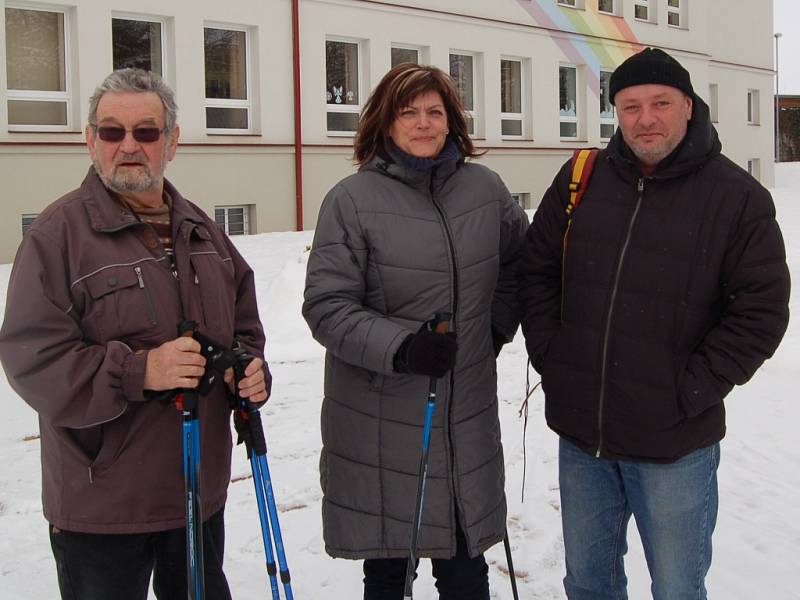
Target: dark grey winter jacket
{"type": "Point", "coordinates": [393, 247]}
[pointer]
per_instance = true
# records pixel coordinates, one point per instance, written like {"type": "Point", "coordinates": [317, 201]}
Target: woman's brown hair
{"type": "Point", "coordinates": [398, 88]}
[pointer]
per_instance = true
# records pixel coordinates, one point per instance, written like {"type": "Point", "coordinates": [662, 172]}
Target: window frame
{"type": "Point", "coordinates": [649, 7]}
{"type": "Point", "coordinates": [247, 103]}
{"type": "Point", "coordinates": [346, 108]}
{"type": "Point", "coordinates": [416, 49]}
{"type": "Point", "coordinates": [42, 95]}
{"type": "Point", "coordinates": [30, 218]}
{"type": "Point", "coordinates": [680, 11]}
{"type": "Point", "coordinates": [566, 118]}
{"type": "Point", "coordinates": [523, 199]}
{"type": "Point", "coordinates": [614, 8]}
{"type": "Point", "coordinates": [245, 208]}
{"type": "Point", "coordinates": [472, 113]}
{"type": "Point", "coordinates": [753, 106]}
{"type": "Point", "coordinates": [713, 102]}
{"type": "Point", "coordinates": [162, 22]}
{"type": "Point", "coordinates": [509, 116]}
{"type": "Point", "coordinates": [606, 120]}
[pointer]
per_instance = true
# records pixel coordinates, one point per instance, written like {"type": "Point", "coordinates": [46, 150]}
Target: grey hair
{"type": "Point", "coordinates": [136, 80]}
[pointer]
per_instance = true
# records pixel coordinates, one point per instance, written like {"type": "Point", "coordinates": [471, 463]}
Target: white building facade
{"type": "Point", "coordinates": [269, 90]}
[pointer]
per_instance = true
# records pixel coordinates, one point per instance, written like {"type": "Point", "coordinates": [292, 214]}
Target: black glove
{"type": "Point", "coordinates": [426, 353]}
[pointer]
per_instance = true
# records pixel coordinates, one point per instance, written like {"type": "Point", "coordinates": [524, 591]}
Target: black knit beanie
{"type": "Point", "coordinates": [651, 65]}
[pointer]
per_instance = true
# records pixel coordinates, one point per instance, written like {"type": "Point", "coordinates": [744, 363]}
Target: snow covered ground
{"type": "Point", "coordinates": [756, 547]}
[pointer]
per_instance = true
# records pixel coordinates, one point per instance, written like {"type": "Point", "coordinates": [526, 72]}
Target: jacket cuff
{"type": "Point", "coordinates": [133, 368]}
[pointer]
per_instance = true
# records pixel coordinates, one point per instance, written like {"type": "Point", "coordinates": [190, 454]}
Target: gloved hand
{"type": "Point", "coordinates": [426, 353]}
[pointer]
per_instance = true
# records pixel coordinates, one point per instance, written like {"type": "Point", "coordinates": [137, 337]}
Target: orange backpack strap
{"type": "Point", "coordinates": [582, 165]}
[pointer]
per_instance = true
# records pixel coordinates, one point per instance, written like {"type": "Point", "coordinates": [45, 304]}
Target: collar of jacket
{"type": "Point", "coordinates": [699, 145]}
{"type": "Point", "coordinates": [386, 162]}
{"type": "Point", "coordinates": [107, 215]}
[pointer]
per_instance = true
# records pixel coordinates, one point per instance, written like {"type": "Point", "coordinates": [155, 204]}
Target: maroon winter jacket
{"type": "Point", "coordinates": [91, 291]}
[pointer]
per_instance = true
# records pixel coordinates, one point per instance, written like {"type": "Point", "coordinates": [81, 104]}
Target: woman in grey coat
{"type": "Point", "coordinates": [416, 232]}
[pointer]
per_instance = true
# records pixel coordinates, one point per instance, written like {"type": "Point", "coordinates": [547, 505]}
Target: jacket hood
{"type": "Point", "coordinates": [700, 144]}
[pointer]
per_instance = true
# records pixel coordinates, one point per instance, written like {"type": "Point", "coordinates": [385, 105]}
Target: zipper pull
{"type": "Point", "coordinates": [91, 475]}
{"type": "Point", "coordinates": [138, 271]}
{"type": "Point", "coordinates": [640, 185]}
{"type": "Point", "coordinates": [196, 280]}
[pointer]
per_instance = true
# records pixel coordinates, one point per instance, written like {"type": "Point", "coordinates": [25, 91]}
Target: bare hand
{"type": "Point", "coordinates": [174, 364]}
{"type": "Point", "coordinates": [252, 386]}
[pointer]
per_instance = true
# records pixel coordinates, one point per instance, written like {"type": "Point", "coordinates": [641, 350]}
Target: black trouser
{"type": "Point", "coordinates": [457, 578]}
{"type": "Point", "coordinates": [118, 566]}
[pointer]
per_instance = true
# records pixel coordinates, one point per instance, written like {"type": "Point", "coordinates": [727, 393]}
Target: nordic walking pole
{"type": "Point", "coordinates": [251, 431]}
{"type": "Point", "coordinates": [440, 324]}
{"type": "Point", "coordinates": [510, 561]}
{"type": "Point", "coordinates": [187, 402]}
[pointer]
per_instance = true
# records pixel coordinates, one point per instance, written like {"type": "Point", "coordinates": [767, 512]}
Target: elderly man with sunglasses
{"type": "Point", "coordinates": [99, 285]}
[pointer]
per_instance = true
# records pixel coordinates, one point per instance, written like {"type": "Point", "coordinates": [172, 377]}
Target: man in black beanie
{"type": "Point", "coordinates": [644, 306]}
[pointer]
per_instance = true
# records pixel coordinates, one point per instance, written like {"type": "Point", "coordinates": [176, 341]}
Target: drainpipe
{"type": "Point", "coordinates": [298, 132]}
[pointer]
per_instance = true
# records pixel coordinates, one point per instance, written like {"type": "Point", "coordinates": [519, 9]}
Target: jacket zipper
{"type": "Point", "coordinates": [607, 332]}
{"type": "Point", "coordinates": [147, 295]}
{"type": "Point", "coordinates": [452, 247]}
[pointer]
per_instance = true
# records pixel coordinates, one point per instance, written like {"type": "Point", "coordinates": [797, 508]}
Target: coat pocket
{"type": "Point", "coordinates": [216, 289]}
{"type": "Point", "coordinates": [122, 304]}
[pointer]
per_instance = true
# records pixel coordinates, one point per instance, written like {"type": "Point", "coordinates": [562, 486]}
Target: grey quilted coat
{"type": "Point", "coordinates": [394, 246]}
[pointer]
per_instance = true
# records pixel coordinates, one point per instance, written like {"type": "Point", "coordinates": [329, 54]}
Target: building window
{"type": "Point", "coordinates": [462, 70]}
{"type": "Point", "coordinates": [676, 13]}
{"type": "Point", "coordinates": [754, 167]}
{"type": "Point", "coordinates": [228, 99]}
{"type": "Point", "coordinates": [752, 107]}
{"type": "Point", "coordinates": [606, 6]}
{"type": "Point", "coordinates": [568, 102]}
{"type": "Point", "coordinates": [27, 221]}
{"type": "Point", "coordinates": [233, 220]}
{"type": "Point", "coordinates": [343, 85]}
{"type": "Point", "coordinates": [402, 54]}
{"type": "Point", "coordinates": [642, 12]}
{"type": "Point", "coordinates": [138, 44]}
{"type": "Point", "coordinates": [522, 198]}
{"type": "Point", "coordinates": [713, 102]}
{"type": "Point", "coordinates": [608, 122]}
{"type": "Point", "coordinates": [511, 118]}
{"type": "Point", "coordinates": [566, 2]}
{"type": "Point", "coordinates": [37, 68]}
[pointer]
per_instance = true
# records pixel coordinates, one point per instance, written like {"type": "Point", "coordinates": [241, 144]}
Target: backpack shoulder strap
{"type": "Point", "coordinates": [582, 164]}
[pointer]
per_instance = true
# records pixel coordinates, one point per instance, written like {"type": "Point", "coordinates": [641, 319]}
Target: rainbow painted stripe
{"type": "Point", "coordinates": [611, 43]}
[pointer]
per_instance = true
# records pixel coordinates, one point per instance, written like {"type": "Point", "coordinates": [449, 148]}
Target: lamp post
{"type": "Point", "coordinates": [777, 103]}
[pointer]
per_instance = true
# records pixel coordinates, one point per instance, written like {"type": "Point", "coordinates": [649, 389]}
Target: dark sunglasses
{"type": "Point", "coordinates": [143, 135]}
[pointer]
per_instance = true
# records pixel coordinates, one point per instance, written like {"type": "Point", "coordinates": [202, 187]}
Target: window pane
{"type": "Point", "coordinates": [511, 127]}
{"type": "Point", "coordinates": [674, 3]}
{"type": "Point", "coordinates": [136, 44]}
{"type": "Point", "coordinates": [606, 108]}
{"type": "Point", "coordinates": [219, 217]}
{"type": "Point", "coordinates": [567, 2]}
{"type": "Point", "coordinates": [27, 221]}
{"type": "Point", "coordinates": [674, 19]}
{"type": "Point", "coordinates": [226, 118]}
{"type": "Point", "coordinates": [606, 6]}
{"type": "Point", "coordinates": [35, 58]}
{"type": "Point", "coordinates": [750, 107]}
{"type": "Point", "coordinates": [470, 125]}
{"type": "Point", "coordinates": [568, 130]}
{"type": "Point", "coordinates": [33, 112]}
{"type": "Point", "coordinates": [607, 130]}
{"type": "Point", "coordinates": [226, 64]}
{"type": "Point", "coordinates": [342, 121]}
{"type": "Point", "coordinates": [510, 86]}
{"type": "Point", "coordinates": [404, 55]}
{"type": "Point", "coordinates": [341, 69]}
{"type": "Point", "coordinates": [236, 221]}
{"type": "Point", "coordinates": [461, 70]}
{"type": "Point", "coordinates": [566, 92]}
{"type": "Point", "coordinates": [640, 12]}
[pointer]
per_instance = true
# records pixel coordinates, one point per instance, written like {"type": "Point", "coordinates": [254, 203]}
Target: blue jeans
{"type": "Point", "coordinates": [675, 506]}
